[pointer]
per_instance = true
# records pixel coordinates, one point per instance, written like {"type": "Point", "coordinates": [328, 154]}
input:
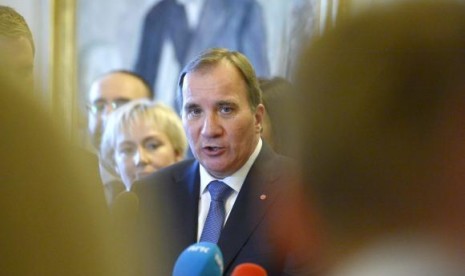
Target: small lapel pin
{"type": "Point", "coordinates": [263, 197]}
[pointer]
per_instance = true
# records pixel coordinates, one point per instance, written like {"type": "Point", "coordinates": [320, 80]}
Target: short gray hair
{"type": "Point", "coordinates": [214, 56]}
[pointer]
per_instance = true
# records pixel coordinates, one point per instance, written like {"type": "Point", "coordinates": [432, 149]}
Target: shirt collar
{"type": "Point", "coordinates": [235, 180]}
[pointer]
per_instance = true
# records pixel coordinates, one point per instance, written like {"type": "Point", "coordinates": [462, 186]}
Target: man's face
{"type": "Point", "coordinates": [221, 128]}
{"type": "Point", "coordinates": [108, 93]}
{"type": "Point", "coordinates": [17, 60]}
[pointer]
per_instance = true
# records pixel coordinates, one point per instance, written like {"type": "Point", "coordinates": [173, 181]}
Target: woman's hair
{"type": "Point", "coordinates": [161, 117]}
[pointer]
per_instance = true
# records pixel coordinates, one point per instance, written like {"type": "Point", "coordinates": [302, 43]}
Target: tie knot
{"type": "Point", "coordinates": [218, 190]}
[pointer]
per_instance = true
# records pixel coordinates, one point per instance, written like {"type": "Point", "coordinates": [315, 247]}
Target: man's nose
{"type": "Point", "coordinates": [107, 111]}
{"type": "Point", "coordinates": [211, 126]}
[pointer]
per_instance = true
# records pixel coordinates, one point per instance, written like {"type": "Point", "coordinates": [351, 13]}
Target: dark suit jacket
{"type": "Point", "coordinates": [253, 232]}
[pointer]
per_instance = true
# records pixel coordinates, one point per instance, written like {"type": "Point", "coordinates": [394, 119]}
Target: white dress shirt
{"type": "Point", "coordinates": [234, 181]}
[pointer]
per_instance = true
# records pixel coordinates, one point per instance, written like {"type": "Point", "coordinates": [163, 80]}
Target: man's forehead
{"type": "Point", "coordinates": [217, 75]}
{"type": "Point", "coordinates": [117, 86]}
{"type": "Point", "coordinates": [210, 91]}
{"type": "Point", "coordinates": [213, 88]}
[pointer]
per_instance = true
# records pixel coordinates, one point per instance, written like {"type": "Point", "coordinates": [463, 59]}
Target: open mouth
{"type": "Point", "coordinates": [212, 149]}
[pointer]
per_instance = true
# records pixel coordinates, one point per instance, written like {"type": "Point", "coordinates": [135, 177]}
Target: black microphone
{"type": "Point", "coordinates": [200, 259]}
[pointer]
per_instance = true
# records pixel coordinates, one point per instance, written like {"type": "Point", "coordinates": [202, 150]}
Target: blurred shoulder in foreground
{"type": "Point", "coordinates": [54, 217]}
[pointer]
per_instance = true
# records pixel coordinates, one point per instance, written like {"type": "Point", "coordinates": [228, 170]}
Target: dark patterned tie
{"type": "Point", "coordinates": [219, 192]}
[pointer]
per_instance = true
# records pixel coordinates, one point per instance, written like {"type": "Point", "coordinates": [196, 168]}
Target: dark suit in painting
{"type": "Point", "coordinates": [253, 233]}
{"type": "Point", "coordinates": [236, 25]}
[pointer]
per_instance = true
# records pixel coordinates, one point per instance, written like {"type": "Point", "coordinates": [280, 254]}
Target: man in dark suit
{"type": "Point", "coordinates": [222, 115]}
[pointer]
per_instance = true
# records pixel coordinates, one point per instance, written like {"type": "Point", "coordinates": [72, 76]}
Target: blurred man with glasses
{"type": "Point", "coordinates": [108, 92]}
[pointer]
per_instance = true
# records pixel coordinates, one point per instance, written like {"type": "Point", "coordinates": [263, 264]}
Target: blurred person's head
{"type": "Point", "coordinates": [381, 120]}
{"type": "Point", "coordinates": [142, 137]}
{"type": "Point", "coordinates": [108, 92]}
{"type": "Point", "coordinates": [16, 46]}
{"type": "Point", "coordinates": [54, 218]}
{"type": "Point", "coordinates": [221, 110]}
{"type": "Point", "coordinates": [276, 93]}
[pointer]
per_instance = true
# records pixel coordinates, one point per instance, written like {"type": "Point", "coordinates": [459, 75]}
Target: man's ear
{"type": "Point", "coordinates": [259, 117]}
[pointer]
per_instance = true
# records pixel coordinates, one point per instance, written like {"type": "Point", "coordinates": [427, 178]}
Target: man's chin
{"type": "Point", "coordinates": [216, 171]}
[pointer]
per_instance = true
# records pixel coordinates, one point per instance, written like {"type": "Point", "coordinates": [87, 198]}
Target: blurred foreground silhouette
{"type": "Point", "coordinates": [54, 220]}
{"type": "Point", "coordinates": [382, 120]}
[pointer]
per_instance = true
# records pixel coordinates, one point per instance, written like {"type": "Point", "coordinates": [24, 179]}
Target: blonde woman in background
{"type": "Point", "coordinates": [142, 137]}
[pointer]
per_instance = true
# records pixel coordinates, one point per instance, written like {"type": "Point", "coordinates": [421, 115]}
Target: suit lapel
{"type": "Point", "coordinates": [258, 192]}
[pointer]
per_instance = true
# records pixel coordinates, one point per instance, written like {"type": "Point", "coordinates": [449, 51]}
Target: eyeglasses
{"type": "Point", "coordinates": [100, 105]}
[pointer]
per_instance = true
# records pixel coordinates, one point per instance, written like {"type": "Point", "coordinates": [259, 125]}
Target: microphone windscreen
{"type": "Point", "coordinates": [200, 259]}
{"type": "Point", "coordinates": [249, 269]}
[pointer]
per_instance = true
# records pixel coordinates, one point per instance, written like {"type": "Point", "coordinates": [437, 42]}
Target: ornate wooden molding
{"type": "Point", "coordinates": [63, 84]}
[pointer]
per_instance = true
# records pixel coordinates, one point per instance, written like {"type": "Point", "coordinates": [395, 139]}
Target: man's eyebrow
{"type": "Point", "coordinates": [190, 105]}
{"type": "Point", "coordinates": [99, 100]}
{"type": "Point", "coordinates": [226, 103]}
{"type": "Point", "coordinates": [122, 99]}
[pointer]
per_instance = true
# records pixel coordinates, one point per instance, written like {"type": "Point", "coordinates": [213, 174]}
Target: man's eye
{"type": "Point", "coordinates": [119, 102]}
{"type": "Point", "coordinates": [194, 112]}
{"type": "Point", "coordinates": [98, 106]}
{"type": "Point", "coordinates": [226, 109]}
